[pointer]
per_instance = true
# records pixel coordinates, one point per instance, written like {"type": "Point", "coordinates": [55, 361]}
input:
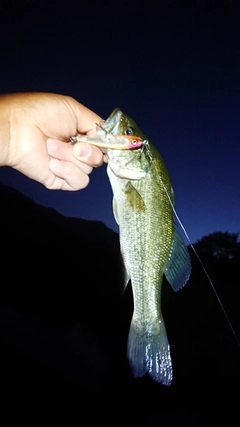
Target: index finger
{"type": "Point", "coordinates": [86, 118]}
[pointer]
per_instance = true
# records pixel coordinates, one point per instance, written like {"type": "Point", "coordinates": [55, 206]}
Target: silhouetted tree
{"type": "Point", "coordinates": [219, 245]}
{"type": "Point", "coordinates": [220, 255]}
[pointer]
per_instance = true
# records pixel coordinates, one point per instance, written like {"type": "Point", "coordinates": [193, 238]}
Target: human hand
{"type": "Point", "coordinates": [35, 131]}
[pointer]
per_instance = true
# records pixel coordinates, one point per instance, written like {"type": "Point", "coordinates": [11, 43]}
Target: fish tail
{"type": "Point", "coordinates": [149, 351]}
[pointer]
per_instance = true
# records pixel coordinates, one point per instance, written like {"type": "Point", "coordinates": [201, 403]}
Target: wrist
{"type": "Point", "coordinates": [5, 134]}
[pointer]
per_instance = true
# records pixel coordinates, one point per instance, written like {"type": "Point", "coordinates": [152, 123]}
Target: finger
{"type": "Point", "coordinates": [88, 154]}
{"type": "Point", "coordinates": [80, 152]}
{"type": "Point", "coordinates": [86, 118]}
{"type": "Point", "coordinates": [57, 183]}
{"type": "Point", "coordinates": [75, 177]}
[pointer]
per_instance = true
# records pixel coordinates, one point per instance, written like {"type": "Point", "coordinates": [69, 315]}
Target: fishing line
{"type": "Point", "coordinates": [146, 145]}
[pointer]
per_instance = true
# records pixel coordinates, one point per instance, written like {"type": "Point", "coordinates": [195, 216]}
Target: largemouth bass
{"type": "Point", "coordinates": [151, 247]}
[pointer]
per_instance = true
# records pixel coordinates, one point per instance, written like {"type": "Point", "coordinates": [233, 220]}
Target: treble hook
{"type": "Point", "coordinates": [101, 127]}
{"type": "Point", "coordinates": [146, 145]}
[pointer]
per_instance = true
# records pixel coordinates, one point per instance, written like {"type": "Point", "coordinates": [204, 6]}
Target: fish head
{"type": "Point", "coordinates": [131, 163]}
{"type": "Point", "coordinates": [119, 123]}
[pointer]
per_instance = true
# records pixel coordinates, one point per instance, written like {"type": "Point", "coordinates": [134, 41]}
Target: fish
{"type": "Point", "coordinates": [150, 244]}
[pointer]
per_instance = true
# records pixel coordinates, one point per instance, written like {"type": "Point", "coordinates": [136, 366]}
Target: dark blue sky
{"type": "Point", "coordinates": [174, 67]}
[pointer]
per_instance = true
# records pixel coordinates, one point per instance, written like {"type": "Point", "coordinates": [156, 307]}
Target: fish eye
{"type": "Point", "coordinates": [129, 131]}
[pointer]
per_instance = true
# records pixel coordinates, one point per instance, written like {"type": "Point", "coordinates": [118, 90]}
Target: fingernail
{"type": "Point", "coordinates": [83, 150]}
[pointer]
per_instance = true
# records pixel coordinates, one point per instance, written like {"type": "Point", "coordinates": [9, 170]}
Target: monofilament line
{"type": "Point", "coordinates": [200, 261]}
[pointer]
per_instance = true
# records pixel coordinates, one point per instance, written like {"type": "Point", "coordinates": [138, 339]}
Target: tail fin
{"type": "Point", "coordinates": [150, 352]}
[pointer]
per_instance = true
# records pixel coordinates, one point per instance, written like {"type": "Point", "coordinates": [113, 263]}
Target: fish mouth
{"type": "Point", "coordinates": [112, 121]}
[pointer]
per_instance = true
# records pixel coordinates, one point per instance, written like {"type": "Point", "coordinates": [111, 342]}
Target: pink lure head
{"type": "Point", "coordinates": [130, 141]}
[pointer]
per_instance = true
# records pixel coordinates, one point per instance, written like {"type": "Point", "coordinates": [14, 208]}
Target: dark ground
{"type": "Point", "coordinates": [64, 326]}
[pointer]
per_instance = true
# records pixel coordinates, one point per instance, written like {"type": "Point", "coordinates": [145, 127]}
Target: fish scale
{"type": "Point", "coordinates": [150, 244]}
{"type": "Point", "coordinates": [145, 268]}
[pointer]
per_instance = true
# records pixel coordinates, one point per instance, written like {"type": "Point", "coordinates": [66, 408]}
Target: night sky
{"type": "Point", "coordinates": [173, 66]}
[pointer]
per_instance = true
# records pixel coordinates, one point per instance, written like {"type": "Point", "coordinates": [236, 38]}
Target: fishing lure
{"type": "Point", "coordinates": [104, 141]}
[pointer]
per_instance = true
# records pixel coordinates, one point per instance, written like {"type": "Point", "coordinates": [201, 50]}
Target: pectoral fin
{"type": "Point", "coordinates": [179, 265]}
{"type": "Point", "coordinates": [134, 198]}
